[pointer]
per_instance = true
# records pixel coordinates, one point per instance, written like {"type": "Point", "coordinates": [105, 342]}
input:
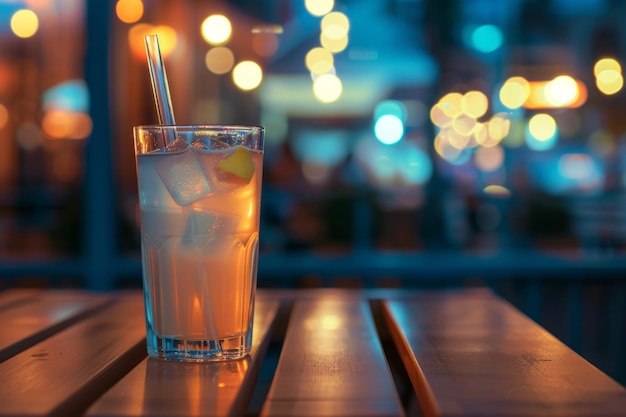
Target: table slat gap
{"type": "Point", "coordinates": [62, 374]}
{"type": "Point", "coordinates": [332, 364]}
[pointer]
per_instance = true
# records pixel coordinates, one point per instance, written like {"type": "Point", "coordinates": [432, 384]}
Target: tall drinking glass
{"type": "Point", "coordinates": [199, 199]}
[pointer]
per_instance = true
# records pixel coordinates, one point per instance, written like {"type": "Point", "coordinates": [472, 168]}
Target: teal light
{"type": "Point", "coordinates": [414, 165]}
{"type": "Point", "coordinates": [70, 96]}
{"type": "Point", "coordinates": [486, 38]}
{"type": "Point", "coordinates": [389, 129]}
{"type": "Point", "coordinates": [541, 145]}
{"type": "Point", "coordinates": [392, 107]}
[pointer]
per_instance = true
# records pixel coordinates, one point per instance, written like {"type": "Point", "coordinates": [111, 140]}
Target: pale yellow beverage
{"type": "Point", "coordinates": [199, 211]}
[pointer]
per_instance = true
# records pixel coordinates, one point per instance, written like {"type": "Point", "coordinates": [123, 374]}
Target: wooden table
{"type": "Point", "coordinates": [315, 353]}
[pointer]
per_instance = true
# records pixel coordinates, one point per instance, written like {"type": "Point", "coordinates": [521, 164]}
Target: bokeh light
{"type": "Point", "coordinates": [541, 132]}
{"type": "Point", "coordinates": [24, 23]}
{"type": "Point", "coordinates": [219, 60]}
{"type": "Point", "coordinates": [496, 190]}
{"type": "Point", "coordinates": [129, 11]}
{"type": "Point", "coordinates": [489, 159]}
{"type": "Point", "coordinates": [393, 107]}
{"type": "Point", "coordinates": [474, 104]}
{"type": "Point", "coordinates": [335, 25]}
{"type": "Point", "coordinates": [319, 7]}
{"type": "Point", "coordinates": [606, 64]}
{"type": "Point", "coordinates": [332, 44]}
{"type": "Point", "coordinates": [514, 92]}
{"type": "Point", "coordinates": [61, 124]}
{"type": "Point", "coordinates": [542, 126]}
{"type": "Point", "coordinates": [487, 38]}
{"type": "Point", "coordinates": [247, 75]}
{"type": "Point", "coordinates": [561, 91]}
{"type": "Point", "coordinates": [265, 44]}
{"type": "Point", "coordinates": [216, 29]}
{"type": "Point", "coordinates": [4, 116]}
{"type": "Point", "coordinates": [389, 129]}
{"type": "Point", "coordinates": [319, 60]}
{"type": "Point", "coordinates": [609, 82]}
{"type": "Point", "coordinates": [168, 40]}
{"type": "Point", "coordinates": [327, 88]}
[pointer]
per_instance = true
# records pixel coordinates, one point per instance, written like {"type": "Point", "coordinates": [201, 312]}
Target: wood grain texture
{"type": "Point", "coordinates": [332, 364]}
{"type": "Point", "coordinates": [41, 315]}
{"type": "Point", "coordinates": [63, 374]}
{"type": "Point", "coordinates": [14, 296]}
{"type": "Point", "coordinates": [160, 388]}
{"type": "Point", "coordinates": [471, 354]}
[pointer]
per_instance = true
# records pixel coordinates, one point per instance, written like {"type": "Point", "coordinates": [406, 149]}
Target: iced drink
{"type": "Point", "coordinates": [199, 196]}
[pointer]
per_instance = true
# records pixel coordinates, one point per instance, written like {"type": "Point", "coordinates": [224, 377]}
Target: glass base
{"type": "Point", "coordinates": [198, 350]}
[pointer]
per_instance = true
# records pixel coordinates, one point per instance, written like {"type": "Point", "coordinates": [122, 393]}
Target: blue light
{"type": "Point", "coordinates": [389, 129]}
{"type": "Point", "coordinates": [487, 38]}
{"type": "Point", "coordinates": [414, 165]}
{"type": "Point", "coordinates": [392, 107]}
{"type": "Point", "coordinates": [71, 96]}
{"type": "Point", "coordinates": [541, 145]}
{"type": "Point", "coordinates": [321, 147]}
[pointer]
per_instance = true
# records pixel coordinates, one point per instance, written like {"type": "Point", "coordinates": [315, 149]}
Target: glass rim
{"type": "Point", "coordinates": [224, 126]}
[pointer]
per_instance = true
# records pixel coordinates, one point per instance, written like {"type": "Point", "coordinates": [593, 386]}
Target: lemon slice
{"type": "Point", "coordinates": [239, 163]}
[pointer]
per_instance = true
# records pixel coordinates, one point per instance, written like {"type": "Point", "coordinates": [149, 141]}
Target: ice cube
{"type": "Point", "coordinates": [200, 228]}
{"type": "Point", "coordinates": [184, 177]}
{"type": "Point", "coordinates": [178, 145]}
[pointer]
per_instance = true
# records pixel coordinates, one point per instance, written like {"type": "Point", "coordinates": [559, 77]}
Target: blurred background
{"type": "Point", "coordinates": [410, 143]}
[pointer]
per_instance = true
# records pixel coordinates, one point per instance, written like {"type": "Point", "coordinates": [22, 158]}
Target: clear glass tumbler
{"type": "Point", "coordinates": [199, 198]}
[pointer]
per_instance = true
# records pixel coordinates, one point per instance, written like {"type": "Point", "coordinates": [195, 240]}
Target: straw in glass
{"type": "Point", "coordinates": [158, 76]}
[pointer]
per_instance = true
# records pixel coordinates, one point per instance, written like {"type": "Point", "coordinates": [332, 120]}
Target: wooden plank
{"type": "Point", "coordinates": [63, 374]}
{"type": "Point", "coordinates": [33, 319]}
{"type": "Point", "coordinates": [332, 364]}
{"type": "Point", "coordinates": [14, 296]}
{"type": "Point", "coordinates": [160, 388]}
{"type": "Point", "coordinates": [472, 355]}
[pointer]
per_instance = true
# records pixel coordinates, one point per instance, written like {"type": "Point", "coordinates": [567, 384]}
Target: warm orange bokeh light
{"type": "Point", "coordinates": [129, 11]}
{"type": "Point", "coordinates": [167, 39]}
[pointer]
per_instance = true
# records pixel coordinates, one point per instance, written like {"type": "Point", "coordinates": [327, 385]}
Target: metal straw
{"type": "Point", "coordinates": [158, 77]}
